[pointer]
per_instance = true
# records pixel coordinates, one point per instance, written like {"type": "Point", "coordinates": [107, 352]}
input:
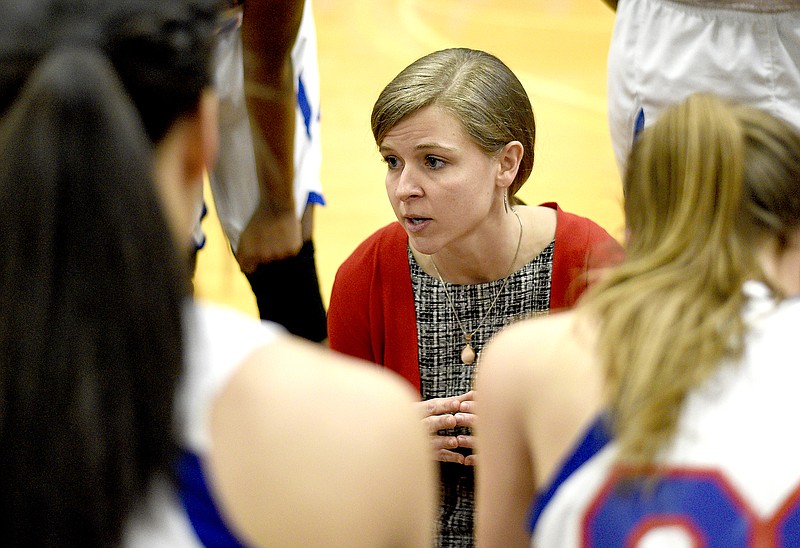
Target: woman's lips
{"type": "Point", "coordinates": [416, 224]}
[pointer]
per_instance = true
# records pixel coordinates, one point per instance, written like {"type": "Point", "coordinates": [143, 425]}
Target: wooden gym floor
{"type": "Point", "coordinates": [558, 50]}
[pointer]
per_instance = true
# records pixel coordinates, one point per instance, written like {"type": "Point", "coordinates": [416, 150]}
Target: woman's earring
{"type": "Point", "coordinates": [505, 201]}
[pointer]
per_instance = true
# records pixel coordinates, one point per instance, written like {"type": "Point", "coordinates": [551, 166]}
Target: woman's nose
{"type": "Point", "coordinates": [406, 184]}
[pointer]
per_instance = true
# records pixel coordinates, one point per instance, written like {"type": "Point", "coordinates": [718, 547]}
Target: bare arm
{"type": "Point", "coordinates": [538, 388]}
{"type": "Point", "coordinates": [269, 30]}
{"type": "Point", "coordinates": [305, 453]}
{"type": "Point", "coordinates": [505, 479]}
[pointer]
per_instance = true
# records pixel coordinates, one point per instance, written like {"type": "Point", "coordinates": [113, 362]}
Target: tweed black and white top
{"type": "Point", "coordinates": [442, 373]}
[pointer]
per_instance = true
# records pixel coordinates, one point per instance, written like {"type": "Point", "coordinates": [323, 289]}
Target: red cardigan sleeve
{"type": "Point", "coordinates": [581, 248]}
{"type": "Point", "coordinates": [371, 313]}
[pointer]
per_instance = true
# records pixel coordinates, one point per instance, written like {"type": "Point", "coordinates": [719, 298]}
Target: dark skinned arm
{"type": "Point", "coordinates": [269, 30]}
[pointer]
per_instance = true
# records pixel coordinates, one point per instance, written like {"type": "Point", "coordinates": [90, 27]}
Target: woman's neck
{"type": "Point", "coordinates": [492, 255]}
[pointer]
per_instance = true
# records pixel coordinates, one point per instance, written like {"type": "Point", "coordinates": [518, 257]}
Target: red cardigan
{"type": "Point", "coordinates": [371, 313]}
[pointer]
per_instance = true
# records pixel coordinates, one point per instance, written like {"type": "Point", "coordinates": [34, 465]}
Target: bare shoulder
{"type": "Point", "coordinates": [530, 360]}
{"type": "Point", "coordinates": [292, 368]}
{"type": "Point", "coordinates": [541, 375]}
{"type": "Point", "coordinates": [536, 348]}
{"type": "Point", "coordinates": [326, 445]}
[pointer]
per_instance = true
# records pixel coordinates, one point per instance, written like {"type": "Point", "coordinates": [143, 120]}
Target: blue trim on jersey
{"type": "Point", "coordinates": [638, 125]}
{"type": "Point", "coordinates": [202, 243]}
{"type": "Point", "coordinates": [595, 438]}
{"type": "Point", "coordinates": [315, 198]}
{"type": "Point", "coordinates": [304, 105]}
{"type": "Point", "coordinates": [199, 505]}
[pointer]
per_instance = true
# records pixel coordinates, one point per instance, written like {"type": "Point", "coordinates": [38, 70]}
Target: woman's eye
{"type": "Point", "coordinates": [433, 162]}
{"type": "Point", "coordinates": [391, 161]}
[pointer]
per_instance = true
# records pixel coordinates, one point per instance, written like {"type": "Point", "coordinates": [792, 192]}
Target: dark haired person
{"type": "Point", "coordinates": [267, 183]}
{"type": "Point", "coordinates": [132, 415]}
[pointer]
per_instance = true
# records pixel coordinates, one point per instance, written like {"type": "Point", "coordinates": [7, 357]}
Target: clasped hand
{"type": "Point", "coordinates": [447, 413]}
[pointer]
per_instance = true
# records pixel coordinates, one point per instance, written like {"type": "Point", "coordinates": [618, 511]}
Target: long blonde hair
{"type": "Point", "coordinates": [705, 184]}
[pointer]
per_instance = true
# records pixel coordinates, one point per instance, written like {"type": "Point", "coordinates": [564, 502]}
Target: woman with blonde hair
{"type": "Point", "coordinates": [657, 409]}
{"type": "Point", "coordinates": [422, 295]}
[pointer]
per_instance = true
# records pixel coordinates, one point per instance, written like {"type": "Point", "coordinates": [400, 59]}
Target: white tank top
{"type": "Point", "coordinates": [733, 469]}
{"type": "Point", "coordinates": [218, 340]}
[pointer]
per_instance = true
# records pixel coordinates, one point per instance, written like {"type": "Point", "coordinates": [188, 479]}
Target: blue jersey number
{"type": "Point", "coordinates": [702, 505]}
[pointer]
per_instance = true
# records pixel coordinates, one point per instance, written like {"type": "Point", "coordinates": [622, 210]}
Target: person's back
{"type": "Point", "coordinates": [321, 467]}
{"type": "Point", "coordinates": [283, 443]}
{"type": "Point", "coordinates": [730, 474]}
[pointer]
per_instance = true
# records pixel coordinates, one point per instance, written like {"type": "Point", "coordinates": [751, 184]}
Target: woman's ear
{"type": "Point", "coordinates": [509, 159]}
{"type": "Point", "coordinates": [182, 159]}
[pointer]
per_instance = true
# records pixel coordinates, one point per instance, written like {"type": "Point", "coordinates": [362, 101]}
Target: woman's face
{"type": "Point", "coordinates": [441, 185]}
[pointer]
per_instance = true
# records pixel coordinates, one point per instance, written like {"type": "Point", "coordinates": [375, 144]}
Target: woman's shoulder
{"type": "Point", "coordinates": [569, 222]}
{"type": "Point", "coordinates": [384, 250]}
{"type": "Point", "coordinates": [315, 426]}
{"type": "Point", "coordinates": [581, 240]}
{"type": "Point", "coordinates": [389, 238]}
{"type": "Point", "coordinates": [537, 346]}
{"type": "Point", "coordinates": [291, 367]}
{"type": "Point", "coordinates": [541, 359]}
{"type": "Point", "coordinates": [391, 234]}
{"type": "Point", "coordinates": [549, 222]}
{"type": "Point", "coordinates": [543, 370]}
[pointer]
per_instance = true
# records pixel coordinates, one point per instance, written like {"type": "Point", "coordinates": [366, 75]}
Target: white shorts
{"type": "Point", "coordinates": [234, 184]}
{"type": "Point", "coordinates": [664, 50]}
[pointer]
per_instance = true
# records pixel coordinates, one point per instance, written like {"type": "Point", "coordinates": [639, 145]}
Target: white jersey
{"type": "Point", "coordinates": [234, 183]}
{"type": "Point", "coordinates": [218, 340]}
{"type": "Point", "coordinates": [661, 51]}
{"type": "Point", "coordinates": [732, 474]}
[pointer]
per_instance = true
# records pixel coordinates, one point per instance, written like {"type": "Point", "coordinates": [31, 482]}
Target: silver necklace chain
{"type": "Point", "coordinates": [468, 354]}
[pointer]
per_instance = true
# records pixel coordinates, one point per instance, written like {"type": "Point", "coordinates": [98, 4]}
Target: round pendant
{"type": "Point", "coordinates": [468, 355]}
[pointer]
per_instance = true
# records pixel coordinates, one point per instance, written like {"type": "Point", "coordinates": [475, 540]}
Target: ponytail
{"type": "Point", "coordinates": [91, 291]}
{"type": "Point", "coordinates": [672, 311]}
